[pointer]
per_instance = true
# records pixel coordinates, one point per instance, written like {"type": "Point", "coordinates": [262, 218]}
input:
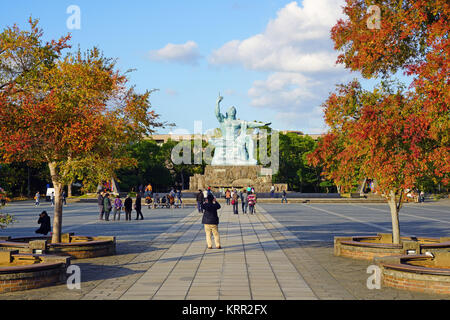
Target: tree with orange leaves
{"type": "Point", "coordinates": [393, 135]}
{"type": "Point", "coordinates": [73, 112]}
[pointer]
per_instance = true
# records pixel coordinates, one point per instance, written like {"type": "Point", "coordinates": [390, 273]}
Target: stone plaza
{"type": "Point", "coordinates": [282, 252]}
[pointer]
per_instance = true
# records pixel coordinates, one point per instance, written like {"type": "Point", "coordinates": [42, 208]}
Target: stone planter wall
{"type": "Point", "coordinates": [370, 247]}
{"type": "Point", "coordinates": [402, 272]}
{"type": "Point", "coordinates": [18, 276]}
{"type": "Point", "coordinates": [77, 247]}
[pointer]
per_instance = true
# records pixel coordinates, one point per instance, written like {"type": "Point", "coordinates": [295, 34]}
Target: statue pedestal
{"type": "Point", "coordinates": [235, 176]}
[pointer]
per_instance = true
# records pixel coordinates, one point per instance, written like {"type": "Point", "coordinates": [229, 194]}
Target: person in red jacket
{"type": "Point", "coordinates": [251, 202]}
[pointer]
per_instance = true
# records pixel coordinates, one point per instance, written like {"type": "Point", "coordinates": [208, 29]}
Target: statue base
{"type": "Point", "coordinates": [217, 177]}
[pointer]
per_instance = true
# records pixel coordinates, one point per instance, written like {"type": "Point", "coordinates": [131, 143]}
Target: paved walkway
{"type": "Point", "coordinates": [251, 265]}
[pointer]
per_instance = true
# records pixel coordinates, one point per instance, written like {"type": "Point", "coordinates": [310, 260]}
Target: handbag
{"type": "Point", "coordinates": [232, 201]}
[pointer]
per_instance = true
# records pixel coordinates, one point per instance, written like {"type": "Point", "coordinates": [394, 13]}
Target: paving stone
{"type": "Point", "coordinates": [260, 259]}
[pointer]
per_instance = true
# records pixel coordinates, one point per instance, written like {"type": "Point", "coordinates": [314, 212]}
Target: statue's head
{"type": "Point", "coordinates": [231, 113]}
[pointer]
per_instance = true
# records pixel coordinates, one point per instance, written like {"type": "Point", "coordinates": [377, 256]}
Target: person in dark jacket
{"type": "Point", "coordinates": [244, 201]}
{"type": "Point", "coordinates": [200, 200]}
{"type": "Point", "coordinates": [283, 197]}
{"type": "Point", "coordinates": [211, 221]}
{"type": "Point", "coordinates": [44, 221]}
{"type": "Point", "coordinates": [128, 204]}
{"type": "Point", "coordinates": [138, 207]}
{"type": "Point", "coordinates": [100, 205]}
{"type": "Point", "coordinates": [235, 201]}
{"type": "Point", "coordinates": [107, 206]}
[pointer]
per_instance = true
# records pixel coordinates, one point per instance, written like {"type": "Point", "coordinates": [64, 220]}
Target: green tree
{"type": "Point", "coordinates": [294, 168]}
{"type": "Point", "coordinates": [150, 167]}
{"type": "Point", "coordinates": [73, 112]}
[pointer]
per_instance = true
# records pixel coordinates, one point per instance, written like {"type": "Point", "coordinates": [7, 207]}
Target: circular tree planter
{"type": "Point", "coordinates": [429, 273]}
{"type": "Point", "coordinates": [370, 247]}
{"type": "Point", "coordinates": [77, 247]}
{"type": "Point", "coordinates": [22, 271]}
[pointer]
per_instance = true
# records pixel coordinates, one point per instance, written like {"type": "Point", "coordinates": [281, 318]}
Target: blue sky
{"type": "Point", "coordinates": [273, 60]}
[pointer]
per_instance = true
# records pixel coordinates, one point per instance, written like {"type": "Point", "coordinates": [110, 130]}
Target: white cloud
{"type": "Point", "coordinates": [171, 92]}
{"type": "Point", "coordinates": [308, 122]}
{"type": "Point", "coordinates": [297, 50]}
{"type": "Point", "coordinates": [186, 53]}
{"type": "Point", "coordinates": [297, 40]}
{"type": "Point", "coordinates": [294, 97]}
{"type": "Point", "coordinates": [281, 89]}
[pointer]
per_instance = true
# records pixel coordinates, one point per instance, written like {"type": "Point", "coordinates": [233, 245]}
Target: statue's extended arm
{"type": "Point", "coordinates": [219, 116]}
{"type": "Point", "coordinates": [257, 124]}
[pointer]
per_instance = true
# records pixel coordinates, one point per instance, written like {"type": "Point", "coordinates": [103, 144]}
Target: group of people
{"type": "Point", "coordinates": [247, 196]}
{"type": "Point", "coordinates": [37, 199]}
{"type": "Point", "coordinates": [170, 200]}
{"type": "Point", "coordinates": [106, 205]}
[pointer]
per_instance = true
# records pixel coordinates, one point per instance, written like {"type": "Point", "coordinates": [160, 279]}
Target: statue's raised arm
{"type": "Point", "coordinates": [219, 116]}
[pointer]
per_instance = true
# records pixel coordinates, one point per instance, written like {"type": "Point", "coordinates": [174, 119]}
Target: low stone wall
{"type": "Point", "coordinates": [404, 273]}
{"type": "Point", "coordinates": [77, 247]}
{"type": "Point", "coordinates": [217, 177]}
{"type": "Point", "coordinates": [91, 249]}
{"type": "Point", "coordinates": [43, 271]}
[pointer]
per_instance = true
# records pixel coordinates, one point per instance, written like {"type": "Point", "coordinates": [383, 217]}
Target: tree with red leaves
{"type": "Point", "coordinates": [73, 112]}
{"type": "Point", "coordinates": [393, 135]}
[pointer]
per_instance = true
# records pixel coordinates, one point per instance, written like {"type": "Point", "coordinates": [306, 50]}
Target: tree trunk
{"type": "Point", "coordinates": [182, 180]}
{"type": "Point", "coordinates": [57, 212]}
{"type": "Point", "coordinates": [69, 189]}
{"type": "Point", "coordinates": [29, 184]}
{"type": "Point", "coordinates": [394, 216]}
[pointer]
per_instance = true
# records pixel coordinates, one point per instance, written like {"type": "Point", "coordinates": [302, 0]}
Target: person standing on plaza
{"type": "Point", "coordinates": [235, 201]}
{"type": "Point", "coordinates": [284, 198]}
{"type": "Point", "coordinates": [179, 201]}
{"type": "Point", "coordinates": [37, 197]}
{"type": "Point", "coordinates": [63, 195]}
{"type": "Point", "coordinates": [52, 199]}
{"type": "Point", "coordinates": [251, 202]}
{"type": "Point", "coordinates": [107, 206]}
{"type": "Point", "coordinates": [138, 207]}
{"type": "Point", "coordinates": [200, 200]}
{"type": "Point", "coordinates": [171, 200]}
{"type": "Point", "coordinates": [117, 207]}
{"type": "Point", "coordinates": [244, 201]}
{"type": "Point", "coordinates": [228, 196]}
{"type": "Point", "coordinates": [241, 197]}
{"type": "Point", "coordinates": [272, 191]}
{"type": "Point", "coordinates": [155, 200]}
{"type": "Point", "coordinates": [101, 209]}
{"type": "Point", "coordinates": [128, 204]}
{"type": "Point", "coordinates": [209, 192]}
{"type": "Point", "coordinates": [422, 197]}
{"type": "Point", "coordinates": [148, 189]}
{"type": "Point", "coordinates": [211, 221]}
